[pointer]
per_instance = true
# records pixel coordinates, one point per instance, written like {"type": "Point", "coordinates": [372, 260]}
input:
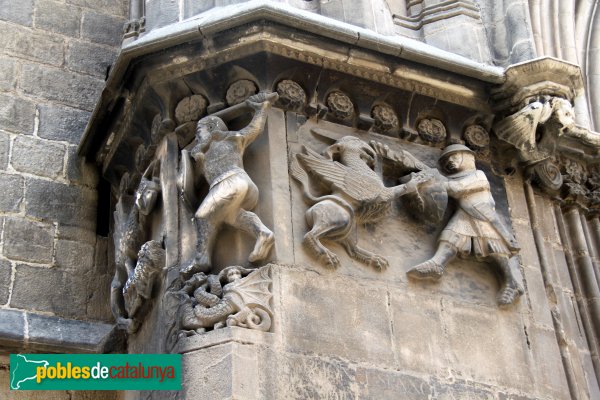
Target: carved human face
{"type": "Point", "coordinates": [457, 162]}
{"type": "Point", "coordinates": [234, 275]}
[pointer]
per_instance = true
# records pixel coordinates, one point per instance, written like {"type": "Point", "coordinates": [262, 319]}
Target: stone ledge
{"type": "Point", "coordinates": [22, 331]}
{"type": "Point", "coordinates": [225, 335]}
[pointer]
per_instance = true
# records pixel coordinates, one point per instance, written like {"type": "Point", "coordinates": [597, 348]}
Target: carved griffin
{"type": "Point", "coordinates": [358, 195]}
{"type": "Point", "coordinates": [243, 301]}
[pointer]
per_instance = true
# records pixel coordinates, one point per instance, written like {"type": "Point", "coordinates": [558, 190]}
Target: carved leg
{"type": "Point", "coordinates": [510, 289]}
{"type": "Point", "coordinates": [360, 254]}
{"type": "Point", "coordinates": [434, 267]}
{"type": "Point", "coordinates": [328, 220]}
{"type": "Point", "coordinates": [249, 222]}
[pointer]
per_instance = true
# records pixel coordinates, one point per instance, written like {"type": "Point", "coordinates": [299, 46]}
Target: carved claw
{"type": "Point", "coordinates": [427, 270]}
{"type": "Point", "coordinates": [379, 263]}
{"type": "Point", "coordinates": [330, 260]}
{"type": "Point", "coordinates": [263, 245]}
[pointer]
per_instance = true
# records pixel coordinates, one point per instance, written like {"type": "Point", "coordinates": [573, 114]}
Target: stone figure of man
{"type": "Point", "coordinates": [475, 228]}
{"type": "Point", "coordinates": [232, 194]}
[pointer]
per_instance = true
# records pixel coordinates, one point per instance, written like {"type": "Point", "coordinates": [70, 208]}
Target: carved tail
{"type": "Point", "coordinates": [302, 177]}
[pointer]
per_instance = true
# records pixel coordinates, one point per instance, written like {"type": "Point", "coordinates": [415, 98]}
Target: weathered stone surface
{"type": "Point", "coordinates": [548, 381]}
{"type": "Point", "coordinates": [12, 328]}
{"type": "Point", "coordinates": [358, 314]}
{"type": "Point", "coordinates": [4, 149]}
{"type": "Point", "coordinates": [17, 11]}
{"type": "Point", "coordinates": [8, 73]}
{"type": "Point", "coordinates": [102, 28]}
{"type": "Point", "coordinates": [38, 157]}
{"type": "Point", "coordinates": [115, 7]}
{"type": "Point", "coordinates": [62, 123]}
{"type": "Point", "coordinates": [83, 235]}
{"type": "Point", "coordinates": [68, 205]}
{"type": "Point", "coordinates": [474, 334]}
{"type": "Point", "coordinates": [461, 390]}
{"type": "Point", "coordinates": [73, 255]}
{"type": "Point", "coordinates": [28, 241]}
{"type": "Point", "coordinates": [25, 43]}
{"type": "Point", "coordinates": [90, 58]}
{"type": "Point", "coordinates": [56, 84]}
{"type": "Point", "coordinates": [31, 291]}
{"type": "Point", "coordinates": [207, 373]}
{"type": "Point", "coordinates": [101, 256]}
{"type": "Point", "coordinates": [57, 17]}
{"type": "Point", "coordinates": [79, 170]}
{"type": "Point", "coordinates": [16, 114]}
{"type": "Point", "coordinates": [47, 333]}
{"type": "Point", "coordinates": [12, 192]}
{"type": "Point", "coordinates": [6, 393]}
{"type": "Point", "coordinates": [5, 280]}
{"type": "Point", "coordinates": [384, 384]}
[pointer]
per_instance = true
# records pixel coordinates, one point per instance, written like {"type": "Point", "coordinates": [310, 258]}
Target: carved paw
{"type": "Point", "coordinates": [382, 149]}
{"type": "Point", "coordinates": [427, 270]}
{"type": "Point", "coordinates": [379, 263]}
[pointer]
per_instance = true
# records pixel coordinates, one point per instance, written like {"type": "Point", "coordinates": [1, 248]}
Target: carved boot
{"type": "Point", "coordinates": [429, 269]}
{"type": "Point", "coordinates": [508, 295]}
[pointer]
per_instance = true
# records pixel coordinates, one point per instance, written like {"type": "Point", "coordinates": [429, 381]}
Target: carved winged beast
{"type": "Point", "coordinates": [357, 195]}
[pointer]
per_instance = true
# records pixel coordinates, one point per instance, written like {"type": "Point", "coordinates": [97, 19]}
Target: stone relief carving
{"type": "Point", "coordinates": [235, 297]}
{"type": "Point", "coordinates": [476, 137]}
{"type": "Point", "coordinates": [291, 94]}
{"type": "Point", "coordinates": [133, 256]}
{"type": "Point", "coordinates": [340, 105]}
{"type": "Point", "coordinates": [218, 157]}
{"type": "Point", "coordinates": [190, 108]}
{"type": "Point", "coordinates": [534, 131]}
{"type": "Point", "coordinates": [357, 195]}
{"type": "Point", "coordinates": [475, 228]}
{"type": "Point", "coordinates": [431, 130]}
{"type": "Point", "coordinates": [239, 91]}
{"type": "Point", "coordinates": [386, 120]}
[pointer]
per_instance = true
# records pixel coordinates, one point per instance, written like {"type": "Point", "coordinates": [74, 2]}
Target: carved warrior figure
{"type": "Point", "coordinates": [474, 228]}
{"type": "Point", "coordinates": [357, 195]}
{"type": "Point", "coordinates": [243, 300]}
{"type": "Point", "coordinates": [219, 158]}
{"type": "Point", "coordinates": [131, 229]}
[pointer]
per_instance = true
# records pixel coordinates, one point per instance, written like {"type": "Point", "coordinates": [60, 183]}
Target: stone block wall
{"type": "Point", "coordinates": [55, 60]}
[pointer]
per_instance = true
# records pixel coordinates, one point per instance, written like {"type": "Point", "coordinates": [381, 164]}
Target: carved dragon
{"type": "Point", "coordinates": [243, 301]}
{"type": "Point", "coordinates": [357, 195]}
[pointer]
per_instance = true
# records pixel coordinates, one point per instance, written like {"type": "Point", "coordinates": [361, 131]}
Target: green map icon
{"type": "Point", "coordinates": [23, 369]}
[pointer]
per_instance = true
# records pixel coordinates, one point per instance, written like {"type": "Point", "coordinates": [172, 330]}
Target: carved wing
{"type": "Point", "coordinates": [254, 290]}
{"type": "Point", "coordinates": [341, 177]}
{"type": "Point", "coordinates": [519, 129]}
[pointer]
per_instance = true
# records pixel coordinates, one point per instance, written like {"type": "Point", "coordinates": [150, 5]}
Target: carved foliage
{"type": "Point", "coordinates": [239, 91]}
{"type": "Point", "coordinates": [432, 130]}
{"type": "Point", "coordinates": [476, 137]}
{"type": "Point", "coordinates": [291, 94]}
{"type": "Point", "coordinates": [340, 105]}
{"type": "Point", "coordinates": [386, 120]}
{"type": "Point", "coordinates": [190, 108]}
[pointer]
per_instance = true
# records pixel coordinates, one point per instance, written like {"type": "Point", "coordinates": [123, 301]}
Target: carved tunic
{"type": "Point", "coordinates": [473, 229]}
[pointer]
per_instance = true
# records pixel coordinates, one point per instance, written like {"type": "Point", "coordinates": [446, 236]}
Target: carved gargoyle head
{"type": "Point", "coordinates": [351, 147]}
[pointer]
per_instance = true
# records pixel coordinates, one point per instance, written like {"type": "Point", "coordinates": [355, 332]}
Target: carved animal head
{"type": "Point", "coordinates": [563, 114]}
{"type": "Point", "coordinates": [350, 147]}
{"type": "Point", "coordinates": [152, 255]}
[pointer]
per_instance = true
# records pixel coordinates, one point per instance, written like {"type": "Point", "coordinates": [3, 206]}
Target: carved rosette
{"type": "Point", "coordinates": [431, 130]}
{"type": "Point", "coordinates": [239, 91]}
{"type": "Point", "coordinates": [386, 120]}
{"type": "Point", "coordinates": [476, 137]}
{"type": "Point", "coordinates": [340, 105]}
{"type": "Point", "coordinates": [190, 108]}
{"type": "Point", "coordinates": [291, 95]}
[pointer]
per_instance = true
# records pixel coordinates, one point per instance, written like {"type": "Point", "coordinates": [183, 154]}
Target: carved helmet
{"type": "Point", "coordinates": [455, 148]}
